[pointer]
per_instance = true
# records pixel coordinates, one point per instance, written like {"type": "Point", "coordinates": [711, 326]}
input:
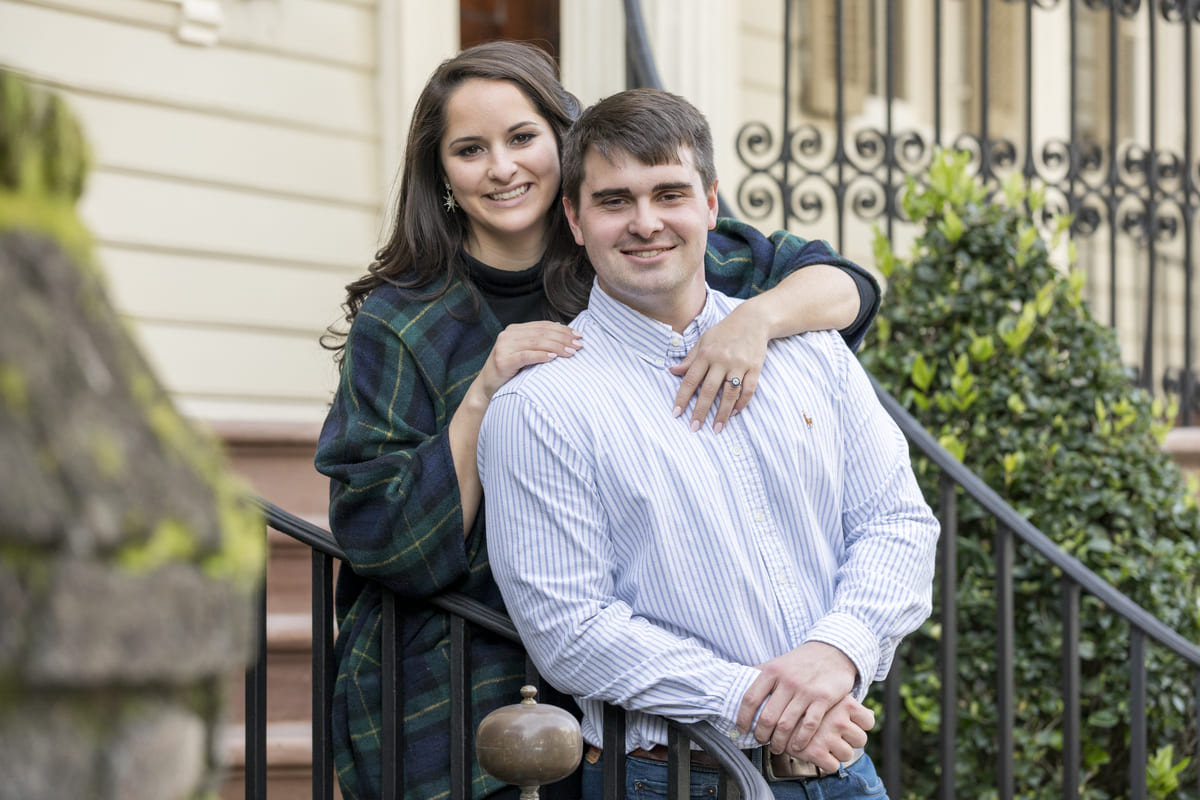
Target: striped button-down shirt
{"type": "Point", "coordinates": [652, 567]}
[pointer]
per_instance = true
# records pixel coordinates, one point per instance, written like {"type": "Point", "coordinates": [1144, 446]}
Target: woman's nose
{"type": "Point", "coordinates": [503, 168]}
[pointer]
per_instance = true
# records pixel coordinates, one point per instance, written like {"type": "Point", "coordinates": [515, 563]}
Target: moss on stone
{"type": "Point", "coordinates": [108, 454]}
{"type": "Point", "coordinates": [14, 390]}
{"type": "Point", "coordinates": [171, 542]}
{"type": "Point", "coordinates": [239, 558]}
{"type": "Point", "coordinates": [44, 160]}
{"type": "Point", "coordinates": [28, 561]}
{"type": "Point", "coordinates": [124, 499]}
{"type": "Point", "coordinates": [243, 539]}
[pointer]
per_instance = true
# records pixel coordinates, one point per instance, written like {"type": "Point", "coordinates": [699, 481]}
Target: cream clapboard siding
{"type": "Point", "coordinates": [237, 187]}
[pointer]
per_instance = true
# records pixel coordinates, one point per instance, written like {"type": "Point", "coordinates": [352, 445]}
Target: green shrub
{"type": "Point", "coordinates": [992, 349]}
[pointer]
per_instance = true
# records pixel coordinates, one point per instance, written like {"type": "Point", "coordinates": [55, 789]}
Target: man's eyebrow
{"type": "Point", "coordinates": [618, 191]}
{"type": "Point", "coordinates": [622, 191]}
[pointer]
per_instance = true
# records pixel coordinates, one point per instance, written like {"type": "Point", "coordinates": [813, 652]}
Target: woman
{"type": "Point", "coordinates": [476, 282]}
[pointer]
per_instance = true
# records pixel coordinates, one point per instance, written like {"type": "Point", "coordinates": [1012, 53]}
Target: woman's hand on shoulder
{"type": "Point", "coordinates": [723, 367]}
{"type": "Point", "coordinates": [523, 344]}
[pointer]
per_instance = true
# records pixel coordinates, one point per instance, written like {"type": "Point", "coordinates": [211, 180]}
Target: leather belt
{"type": "Point", "coordinates": [659, 753]}
{"type": "Point", "coordinates": [775, 767]}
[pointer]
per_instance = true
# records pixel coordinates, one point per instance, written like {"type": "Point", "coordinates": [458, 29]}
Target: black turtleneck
{"type": "Point", "coordinates": [512, 296]}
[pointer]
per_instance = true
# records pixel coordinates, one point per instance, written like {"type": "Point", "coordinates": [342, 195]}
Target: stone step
{"type": "Point", "coordinates": [289, 672]}
{"type": "Point", "coordinates": [289, 762]}
{"type": "Point", "coordinates": [289, 573]}
{"type": "Point", "coordinates": [277, 462]}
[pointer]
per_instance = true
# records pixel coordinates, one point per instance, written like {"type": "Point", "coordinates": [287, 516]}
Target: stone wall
{"type": "Point", "coordinates": [128, 556]}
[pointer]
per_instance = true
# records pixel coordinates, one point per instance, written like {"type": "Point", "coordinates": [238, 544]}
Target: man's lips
{"type": "Point", "coordinates": [647, 252]}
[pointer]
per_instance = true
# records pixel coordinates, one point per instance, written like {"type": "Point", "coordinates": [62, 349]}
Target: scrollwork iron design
{"type": "Point", "coordinates": [1177, 11]}
{"type": "Point", "coordinates": [757, 195]}
{"type": "Point", "coordinates": [1126, 8]}
{"type": "Point", "coordinates": [1127, 189]}
{"type": "Point", "coordinates": [806, 203]}
{"type": "Point", "coordinates": [756, 146]}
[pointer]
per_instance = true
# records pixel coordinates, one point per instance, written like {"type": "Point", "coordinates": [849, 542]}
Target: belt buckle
{"type": "Point", "coordinates": [799, 769]}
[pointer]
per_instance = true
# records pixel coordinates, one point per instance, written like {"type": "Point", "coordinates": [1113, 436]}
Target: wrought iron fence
{"type": "Point", "coordinates": [1094, 101]}
{"type": "Point", "coordinates": [741, 780]}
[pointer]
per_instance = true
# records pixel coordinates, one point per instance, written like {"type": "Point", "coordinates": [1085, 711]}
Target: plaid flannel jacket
{"type": "Point", "coordinates": [395, 507]}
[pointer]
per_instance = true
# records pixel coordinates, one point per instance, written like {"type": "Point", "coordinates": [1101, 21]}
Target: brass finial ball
{"type": "Point", "coordinates": [527, 744]}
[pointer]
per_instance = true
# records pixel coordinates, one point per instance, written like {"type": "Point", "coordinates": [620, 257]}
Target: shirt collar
{"type": "Point", "coordinates": [652, 340]}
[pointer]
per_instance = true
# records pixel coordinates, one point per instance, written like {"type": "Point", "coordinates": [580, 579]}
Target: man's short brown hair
{"type": "Point", "coordinates": [648, 124]}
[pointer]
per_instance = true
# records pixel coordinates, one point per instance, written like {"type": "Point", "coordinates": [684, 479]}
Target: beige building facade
{"type": "Point", "coordinates": [245, 151]}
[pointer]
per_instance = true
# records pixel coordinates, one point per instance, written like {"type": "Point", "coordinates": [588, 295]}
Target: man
{"type": "Point", "coordinates": [757, 576]}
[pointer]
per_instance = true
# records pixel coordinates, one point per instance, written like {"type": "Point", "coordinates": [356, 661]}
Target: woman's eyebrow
{"type": "Point", "coordinates": [476, 137]}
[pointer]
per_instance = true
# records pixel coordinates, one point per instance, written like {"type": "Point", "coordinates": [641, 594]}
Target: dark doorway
{"type": "Point", "coordinates": [534, 21]}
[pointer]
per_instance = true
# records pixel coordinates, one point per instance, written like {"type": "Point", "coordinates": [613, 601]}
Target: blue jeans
{"type": "Point", "coordinates": [647, 780]}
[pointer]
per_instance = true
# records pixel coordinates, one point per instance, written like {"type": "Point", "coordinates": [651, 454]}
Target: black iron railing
{"type": "Point", "coordinates": [739, 777]}
{"type": "Point", "coordinates": [1076, 579]}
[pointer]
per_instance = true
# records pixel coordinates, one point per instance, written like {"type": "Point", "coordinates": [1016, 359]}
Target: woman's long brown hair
{"type": "Point", "coordinates": [422, 253]}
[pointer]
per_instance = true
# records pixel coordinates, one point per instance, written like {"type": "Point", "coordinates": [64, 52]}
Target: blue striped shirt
{"type": "Point", "coordinates": [652, 567]}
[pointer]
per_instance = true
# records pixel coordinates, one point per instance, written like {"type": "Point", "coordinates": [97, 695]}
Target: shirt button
{"type": "Point", "coordinates": [662, 362]}
{"type": "Point", "coordinates": [758, 516]}
{"type": "Point", "coordinates": [676, 340]}
{"type": "Point", "coordinates": [736, 450]}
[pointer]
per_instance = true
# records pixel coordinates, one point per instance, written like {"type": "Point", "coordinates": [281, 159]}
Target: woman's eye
{"type": "Point", "coordinates": [469, 150]}
{"type": "Point", "coordinates": [523, 138]}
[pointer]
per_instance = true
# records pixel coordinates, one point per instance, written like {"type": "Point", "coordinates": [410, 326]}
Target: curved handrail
{"type": "Point", "coordinates": [299, 528]}
{"type": "Point", "coordinates": [748, 780]}
{"type": "Point", "coordinates": [637, 48]}
{"type": "Point", "coordinates": [1008, 516]}
{"type": "Point", "coordinates": [743, 771]}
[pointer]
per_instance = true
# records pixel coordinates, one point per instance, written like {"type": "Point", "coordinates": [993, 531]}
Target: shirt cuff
{"type": "Point", "coordinates": [856, 640]}
{"type": "Point", "coordinates": [727, 723]}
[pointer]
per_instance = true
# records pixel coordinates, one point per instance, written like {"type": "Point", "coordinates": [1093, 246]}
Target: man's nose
{"type": "Point", "coordinates": [645, 221]}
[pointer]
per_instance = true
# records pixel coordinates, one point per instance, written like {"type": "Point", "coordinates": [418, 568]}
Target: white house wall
{"type": "Point", "coordinates": [238, 183]}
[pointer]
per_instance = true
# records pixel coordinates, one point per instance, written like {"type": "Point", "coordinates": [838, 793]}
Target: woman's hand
{"type": "Point", "coordinates": [818, 297]}
{"type": "Point", "coordinates": [733, 348]}
{"type": "Point", "coordinates": [522, 345]}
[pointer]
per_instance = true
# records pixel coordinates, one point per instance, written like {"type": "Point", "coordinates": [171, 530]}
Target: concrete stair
{"type": "Point", "coordinates": [277, 463]}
